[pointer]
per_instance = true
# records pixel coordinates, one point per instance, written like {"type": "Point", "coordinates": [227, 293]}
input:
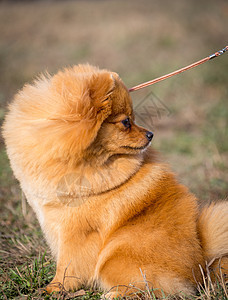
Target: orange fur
{"type": "Point", "coordinates": [112, 213]}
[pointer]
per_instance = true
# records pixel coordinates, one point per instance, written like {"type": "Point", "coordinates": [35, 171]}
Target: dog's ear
{"type": "Point", "coordinates": [101, 87]}
{"type": "Point", "coordinates": [94, 107]}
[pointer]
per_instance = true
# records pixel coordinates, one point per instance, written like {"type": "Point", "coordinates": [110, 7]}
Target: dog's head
{"type": "Point", "coordinates": [99, 109]}
{"type": "Point", "coordinates": [118, 133]}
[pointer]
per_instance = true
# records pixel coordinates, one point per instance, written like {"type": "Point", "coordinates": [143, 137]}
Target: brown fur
{"type": "Point", "coordinates": [112, 213]}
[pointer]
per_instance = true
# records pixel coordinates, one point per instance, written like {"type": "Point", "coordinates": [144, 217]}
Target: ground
{"type": "Point", "coordinates": [140, 40]}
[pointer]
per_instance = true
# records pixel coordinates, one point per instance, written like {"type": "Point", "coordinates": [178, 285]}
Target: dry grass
{"type": "Point", "coordinates": [140, 40]}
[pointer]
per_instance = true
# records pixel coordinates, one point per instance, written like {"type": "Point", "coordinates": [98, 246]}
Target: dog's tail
{"type": "Point", "coordinates": [213, 231]}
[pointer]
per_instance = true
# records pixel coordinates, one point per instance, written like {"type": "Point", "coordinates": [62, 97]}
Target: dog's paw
{"type": "Point", "coordinates": [111, 296]}
{"type": "Point", "coordinates": [54, 287]}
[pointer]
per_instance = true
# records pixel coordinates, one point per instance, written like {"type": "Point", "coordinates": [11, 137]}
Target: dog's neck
{"type": "Point", "coordinates": [85, 181]}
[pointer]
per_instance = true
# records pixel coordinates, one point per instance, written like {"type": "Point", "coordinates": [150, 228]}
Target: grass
{"type": "Point", "coordinates": [140, 41]}
{"type": "Point", "coordinates": [30, 278]}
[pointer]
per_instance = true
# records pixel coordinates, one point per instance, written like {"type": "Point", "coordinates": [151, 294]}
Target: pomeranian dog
{"type": "Point", "coordinates": [112, 213]}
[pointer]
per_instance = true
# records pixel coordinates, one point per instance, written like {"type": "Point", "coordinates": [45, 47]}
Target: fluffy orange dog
{"type": "Point", "coordinates": [112, 213]}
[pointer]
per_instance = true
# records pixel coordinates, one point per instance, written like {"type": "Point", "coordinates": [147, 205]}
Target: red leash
{"type": "Point", "coordinates": [142, 85]}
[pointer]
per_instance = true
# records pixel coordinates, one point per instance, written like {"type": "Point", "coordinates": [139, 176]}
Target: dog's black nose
{"type": "Point", "coordinates": [149, 135]}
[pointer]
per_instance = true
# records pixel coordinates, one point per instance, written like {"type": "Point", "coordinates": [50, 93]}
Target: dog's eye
{"type": "Point", "coordinates": [126, 123]}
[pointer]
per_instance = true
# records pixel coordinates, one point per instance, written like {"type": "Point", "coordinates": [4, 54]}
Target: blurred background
{"type": "Point", "coordinates": [140, 40]}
